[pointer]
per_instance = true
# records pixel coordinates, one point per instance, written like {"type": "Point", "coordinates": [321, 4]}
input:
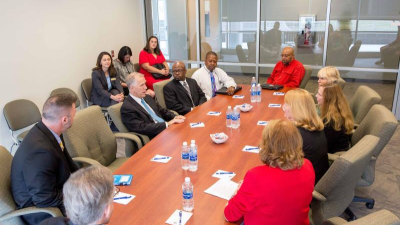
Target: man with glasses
{"type": "Point", "coordinates": [88, 197]}
{"type": "Point", "coordinates": [288, 72]}
{"type": "Point", "coordinates": [182, 94]}
{"type": "Point", "coordinates": [210, 78]}
{"type": "Point", "coordinates": [140, 113]}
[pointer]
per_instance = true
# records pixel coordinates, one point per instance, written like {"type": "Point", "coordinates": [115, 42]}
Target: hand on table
{"type": "Point", "coordinates": [231, 90]}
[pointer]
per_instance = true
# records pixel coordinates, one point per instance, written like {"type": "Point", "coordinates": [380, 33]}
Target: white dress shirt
{"type": "Point", "coordinates": [202, 76]}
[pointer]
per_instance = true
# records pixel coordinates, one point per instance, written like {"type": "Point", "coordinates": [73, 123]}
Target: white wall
{"type": "Point", "coordinates": [50, 44]}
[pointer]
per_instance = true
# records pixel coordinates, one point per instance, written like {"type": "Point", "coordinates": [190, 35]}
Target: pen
{"type": "Point", "coordinates": [248, 149]}
{"type": "Point", "coordinates": [195, 124]}
{"type": "Point", "coordinates": [160, 158]}
{"type": "Point", "coordinates": [274, 105]}
{"type": "Point", "coordinates": [125, 197]}
{"type": "Point", "coordinates": [180, 217]}
{"type": "Point", "coordinates": [238, 96]}
{"type": "Point", "coordinates": [220, 173]}
{"type": "Point", "coordinates": [262, 122]}
{"type": "Point", "coordinates": [214, 112]}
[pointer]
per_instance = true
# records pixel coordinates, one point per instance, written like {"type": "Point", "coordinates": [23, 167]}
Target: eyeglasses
{"type": "Point", "coordinates": [285, 55]}
{"type": "Point", "coordinates": [116, 191]}
{"type": "Point", "coordinates": [177, 71]}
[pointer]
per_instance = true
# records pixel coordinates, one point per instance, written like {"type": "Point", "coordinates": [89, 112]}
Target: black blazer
{"type": "Point", "coordinates": [136, 118]}
{"type": "Point", "coordinates": [57, 221]}
{"type": "Point", "coordinates": [100, 88]}
{"type": "Point", "coordinates": [315, 148]}
{"type": "Point", "coordinates": [38, 172]}
{"type": "Point", "coordinates": [177, 98]}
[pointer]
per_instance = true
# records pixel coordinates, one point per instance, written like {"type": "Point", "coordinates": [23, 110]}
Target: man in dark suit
{"type": "Point", "coordinates": [182, 94]}
{"type": "Point", "coordinates": [140, 113]}
{"type": "Point", "coordinates": [42, 164]}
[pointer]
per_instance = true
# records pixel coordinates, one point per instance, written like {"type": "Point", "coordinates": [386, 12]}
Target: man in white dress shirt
{"type": "Point", "coordinates": [210, 78]}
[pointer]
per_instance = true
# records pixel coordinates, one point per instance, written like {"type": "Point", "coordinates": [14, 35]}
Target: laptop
{"type": "Point", "coordinates": [271, 86]}
{"type": "Point", "coordinates": [223, 90]}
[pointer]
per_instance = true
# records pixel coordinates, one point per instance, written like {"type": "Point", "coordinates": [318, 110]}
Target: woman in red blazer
{"type": "Point", "coordinates": [279, 192]}
{"type": "Point", "coordinates": [149, 56]}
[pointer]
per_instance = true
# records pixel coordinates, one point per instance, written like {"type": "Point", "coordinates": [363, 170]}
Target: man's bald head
{"type": "Point", "coordinates": [179, 71]}
{"type": "Point", "coordinates": [287, 55]}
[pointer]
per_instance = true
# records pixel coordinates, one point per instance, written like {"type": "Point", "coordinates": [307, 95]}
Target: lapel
{"type": "Point", "coordinates": [180, 86]}
{"type": "Point", "coordinates": [103, 79]}
{"type": "Point", "coordinates": [136, 105]}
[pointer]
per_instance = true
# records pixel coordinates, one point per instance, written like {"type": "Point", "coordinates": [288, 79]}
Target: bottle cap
{"type": "Point", "coordinates": [229, 107]}
{"type": "Point", "coordinates": [192, 141]}
{"type": "Point", "coordinates": [185, 143]}
{"type": "Point", "coordinates": [258, 85]}
{"type": "Point", "coordinates": [187, 179]}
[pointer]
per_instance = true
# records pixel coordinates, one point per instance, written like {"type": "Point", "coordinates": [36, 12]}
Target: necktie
{"type": "Point", "coordinates": [213, 84]}
{"type": "Point", "coordinates": [152, 114]}
{"type": "Point", "coordinates": [186, 86]}
{"type": "Point", "coordinates": [62, 146]}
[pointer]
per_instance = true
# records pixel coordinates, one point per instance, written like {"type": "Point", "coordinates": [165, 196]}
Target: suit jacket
{"type": "Point", "coordinates": [100, 91]}
{"type": "Point", "coordinates": [38, 172]}
{"type": "Point", "coordinates": [177, 98]}
{"type": "Point", "coordinates": [57, 221]}
{"type": "Point", "coordinates": [136, 118]}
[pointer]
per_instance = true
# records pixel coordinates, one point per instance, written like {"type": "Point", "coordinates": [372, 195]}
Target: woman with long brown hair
{"type": "Point", "coordinates": [336, 116]}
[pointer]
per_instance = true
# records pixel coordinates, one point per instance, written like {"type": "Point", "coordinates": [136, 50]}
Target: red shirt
{"type": "Point", "coordinates": [145, 57]}
{"type": "Point", "coordinates": [273, 196]}
{"type": "Point", "coordinates": [289, 76]}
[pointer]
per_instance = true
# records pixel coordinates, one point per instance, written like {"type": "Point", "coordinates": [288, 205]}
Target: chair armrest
{"type": "Point", "coordinates": [145, 139]}
{"type": "Point", "coordinates": [332, 157]}
{"type": "Point", "coordinates": [130, 136]}
{"type": "Point", "coordinates": [53, 211]}
{"type": "Point", "coordinates": [318, 196]}
{"type": "Point", "coordinates": [86, 160]}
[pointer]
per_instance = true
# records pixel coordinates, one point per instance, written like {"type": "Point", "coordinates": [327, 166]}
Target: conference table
{"type": "Point", "coordinates": [158, 186]}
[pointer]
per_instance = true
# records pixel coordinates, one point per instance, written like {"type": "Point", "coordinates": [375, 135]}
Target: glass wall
{"type": "Point", "coordinates": [361, 37]}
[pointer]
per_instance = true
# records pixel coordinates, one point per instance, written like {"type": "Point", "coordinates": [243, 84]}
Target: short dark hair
{"type": "Point", "coordinates": [123, 52]}
{"type": "Point", "coordinates": [211, 53]}
{"type": "Point", "coordinates": [58, 106]}
{"type": "Point", "coordinates": [147, 47]}
{"type": "Point", "coordinates": [111, 70]}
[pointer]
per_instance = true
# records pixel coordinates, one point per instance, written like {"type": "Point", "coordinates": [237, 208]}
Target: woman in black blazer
{"type": "Point", "coordinates": [106, 85]}
{"type": "Point", "coordinates": [299, 107]}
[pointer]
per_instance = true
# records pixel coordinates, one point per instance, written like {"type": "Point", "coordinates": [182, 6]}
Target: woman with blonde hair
{"type": "Point", "coordinates": [327, 76]}
{"type": "Point", "coordinates": [299, 107]}
{"type": "Point", "coordinates": [337, 117]}
{"type": "Point", "coordinates": [280, 191]}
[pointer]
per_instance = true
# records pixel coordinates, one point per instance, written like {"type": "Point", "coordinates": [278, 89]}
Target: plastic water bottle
{"type": "Point", "coordinates": [253, 92]}
{"type": "Point", "coordinates": [253, 81]}
{"type": "Point", "coordinates": [185, 156]}
{"type": "Point", "coordinates": [229, 117]}
{"type": "Point", "coordinates": [187, 200]}
{"type": "Point", "coordinates": [193, 162]}
{"type": "Point", "coordinates": [258, 93]}
{"type": "Point", "coordinates": [235, 118]}
{"type": "Point", "coordinates": [238, 116]}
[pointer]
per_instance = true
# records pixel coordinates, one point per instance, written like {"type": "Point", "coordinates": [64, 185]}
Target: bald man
{"type": "Point", "coordinates": [182, 94]}
{"type": "Point", "coordinates": [288, 72]}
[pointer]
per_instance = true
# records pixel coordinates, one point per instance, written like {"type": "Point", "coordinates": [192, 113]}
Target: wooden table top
{"type": "Point", "coordinates": [158, 186]}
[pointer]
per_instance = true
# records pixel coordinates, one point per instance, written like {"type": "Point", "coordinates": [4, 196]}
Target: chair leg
{"type": "Point", "coordinates": [369, 202]}
{"type": "Point", "coordinates": [350, 214]}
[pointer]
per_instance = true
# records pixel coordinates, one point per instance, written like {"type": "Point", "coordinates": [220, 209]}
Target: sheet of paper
{"type": "Point", "coordinates": [238, 96]}
{"type": "Point", "coordinates": [224, 174]}
{"type": "Point", "coordinates": [195, 125]}
{"type": "Point", "coordinates": [161, 158]}
{"type": "Point", "coordinates": [274, 105]}
{"type": "Point", "coordinates": [123, 198]}
{"type": "Point", "coordinates": [252, 149]}
{"type": "Point", "coordinates": [279, 93]}
{"type": "Point", "coordinates": [174, 218]}
{"type": "Point", "coordinates": [262, 123]}
{"type": "Point", "coordinates": [213, 113]}
{"type": "Point", "coordinates": [223, 188]}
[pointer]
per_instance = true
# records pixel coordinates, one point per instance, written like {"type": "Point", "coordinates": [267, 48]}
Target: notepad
{"type": "Point", "coordinates": [122, 180]}
{"type": "Point", "coordinates": [161, 159]}
{"type": "Point", "coordinates": [274, 105]}
{"type": "Point", "coordinates": [123, 198]}
{"type": "Point", "coordinates": [224, 174]}
{"type": "Point", "coordinates": [174, 218]}
{"type": "Point", "coordinates": [223, 188]}
{"type": "Point", "coordinates": [195, 125]}
{"type": "Point", "coordinates": [262, 123]}
{"type": "Point", "coordinates": [238, 96]}
{"type": "Point", "coordinates": [279, 93]}
{"type": "Point", "coordinates": [213, 113]}
{"type": "Point", "coordinates": [252, 149]}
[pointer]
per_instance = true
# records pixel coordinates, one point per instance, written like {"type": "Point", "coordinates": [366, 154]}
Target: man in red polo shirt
{"type": "Point", "coordinates": [288, 72]}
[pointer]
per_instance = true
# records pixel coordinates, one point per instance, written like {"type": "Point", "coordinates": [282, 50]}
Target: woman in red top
{"type": "Point", "coordinates": [149, 56]}
{"type": "Point", "coordinates": [279, 192]}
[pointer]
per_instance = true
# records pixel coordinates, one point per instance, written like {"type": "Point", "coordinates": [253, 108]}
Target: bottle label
{"type": "Point", "coordinates": [253, 93]}
{"type": "Point", "coordinates": [258, 92]}
{"type": "Point", "coordinates": [228, 116]}
{"type": "Point", "coordinates": [187, 195]}
{"type": "Point", "coordinates": [193, 157]}
{"type": "Point", "coordinates": [185, 155]}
